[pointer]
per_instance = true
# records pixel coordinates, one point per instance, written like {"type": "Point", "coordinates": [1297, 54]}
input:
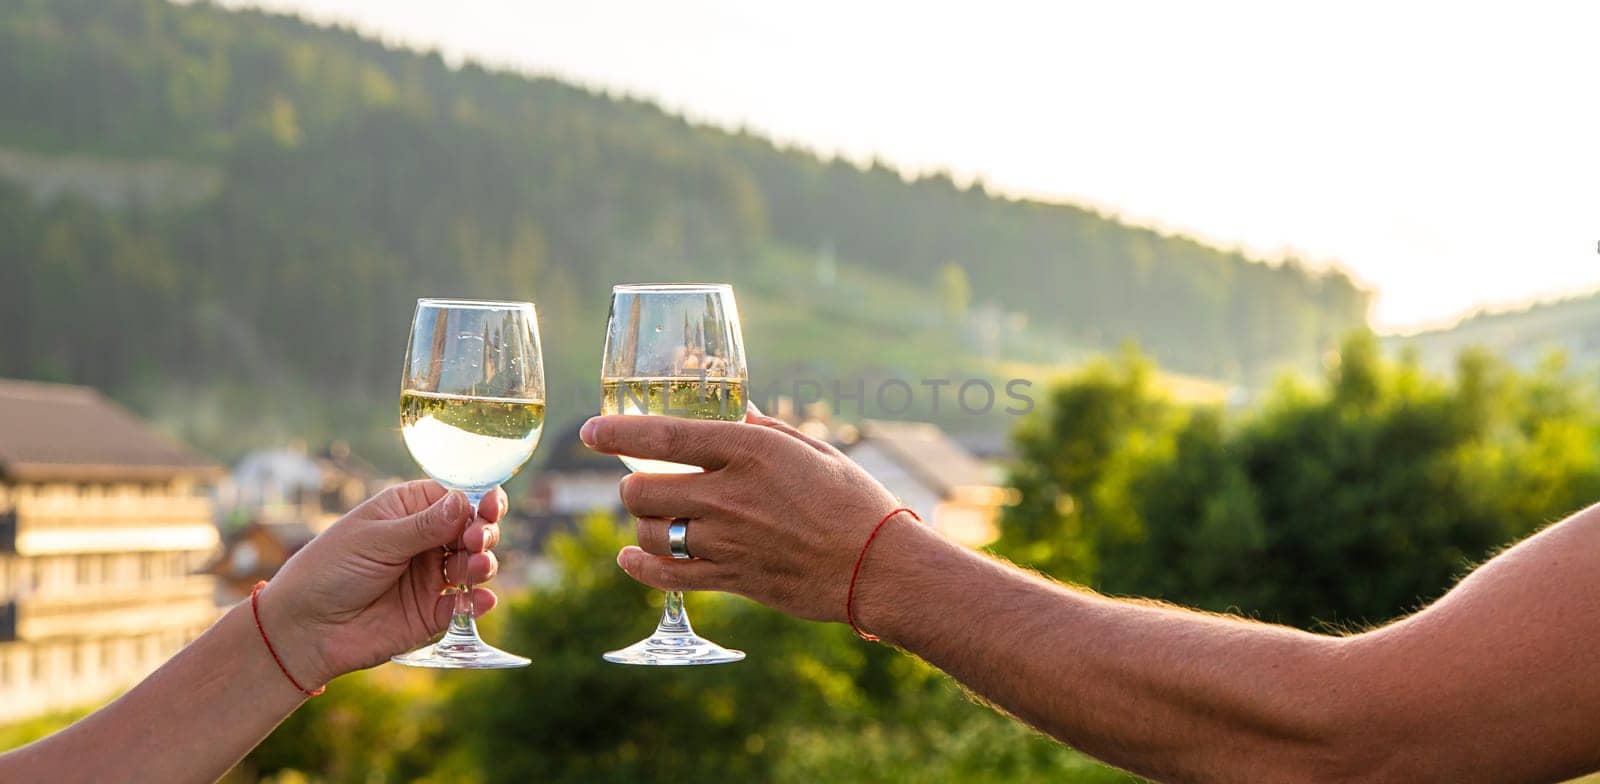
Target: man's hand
{"type": "Point", "coordinates": [370, 586]}
{"type": "Point", "coordinates": [778, 516]}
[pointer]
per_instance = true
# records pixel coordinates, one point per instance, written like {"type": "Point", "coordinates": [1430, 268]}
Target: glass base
{"type": "Point", "coordinates": [461, 653]}
{"type": "Point", "coordinates": [674, 643]}
{"type": "Point", "coordinates": [665, 649]}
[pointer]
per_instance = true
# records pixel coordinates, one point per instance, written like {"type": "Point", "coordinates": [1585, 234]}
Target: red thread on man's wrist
{"type": "Point", "coordinates": [850, 595]}
{"type": "Point", "coordinates": [255, 611]}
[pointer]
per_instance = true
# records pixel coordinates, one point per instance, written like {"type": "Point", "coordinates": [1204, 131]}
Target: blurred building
{"type": "Point", "coordinates": [276, 500]}
{"type": "Point", "coordinates": [104, 524]}
{"type": "Point", "coordinates": [992, 448]}
{"type": "Point", "coordinates": [254, 553]}
{"type": "Point", "coordinates": [294, 484]}
{"type": "Point", "coordinates": [953, 492]}
{"type": "Point", "coordinates": [574, 480]}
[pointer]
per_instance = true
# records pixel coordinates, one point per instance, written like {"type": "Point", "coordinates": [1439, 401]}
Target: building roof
{"type": "Point", "coordinates": [241, 558]}
{"type": "Point", "coordinates": [63, 432]}
{"type": "Point", "coordinates": [292, 534]}
{"type": "Point", "coordinates": [927, 453]}
{"type": "Point", "coordinates": [986, 444]}
{"type": "Point", "coordinates": [337, 460]}
{"type": "Point", "coordinates": [287, 470]}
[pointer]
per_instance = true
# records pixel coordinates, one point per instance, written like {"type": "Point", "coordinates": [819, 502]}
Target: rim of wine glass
{"type": "Point", "coordinates": [492, 304]}
{"type": "Point", "coordinates": [682, 287]}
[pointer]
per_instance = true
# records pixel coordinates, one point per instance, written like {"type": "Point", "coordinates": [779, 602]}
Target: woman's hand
{"type": "Point", "coordinates": [371, 585]}
{"type": "Point", "coordinates": [367, 588]}
{"type": "Point", "coordinates": [778, 516]}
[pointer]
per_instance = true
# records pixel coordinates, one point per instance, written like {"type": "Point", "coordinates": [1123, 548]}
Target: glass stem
{"type": "Point", "coordinates": [462, 623]}
{"type": "Point", "coordinates": [673, 618]}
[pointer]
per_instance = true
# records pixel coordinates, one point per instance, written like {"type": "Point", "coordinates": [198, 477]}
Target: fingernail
{"type": "Point", "coordinates": [622, 560]}
{"type": "Point", "coordinates": [587, 433]}
{"type": "Point", "coordinates": [455, 505]}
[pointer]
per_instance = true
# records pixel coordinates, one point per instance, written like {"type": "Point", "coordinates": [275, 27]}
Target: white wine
{"type": "Point", "coordinates": [470, 443]}
{"type": "Point", "coordinates": [720, 399]}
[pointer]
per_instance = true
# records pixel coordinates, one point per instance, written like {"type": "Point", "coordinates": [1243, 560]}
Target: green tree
{"type": "Point", "coordinates": [1332, 506]}
{"type": "Point", "coordinates": [1073, 457]}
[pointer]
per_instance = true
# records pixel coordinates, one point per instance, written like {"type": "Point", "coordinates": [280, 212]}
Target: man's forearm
{"type": "Point", "coordinates": [190, 721]}
{"type": "Point", "coordinates": [1493, 682]}
{"type": "Point", "coordinates": [1165, 692]}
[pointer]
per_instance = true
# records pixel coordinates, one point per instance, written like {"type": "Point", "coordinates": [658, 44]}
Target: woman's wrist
{"type": "Point", "coordinates": [293, 640]}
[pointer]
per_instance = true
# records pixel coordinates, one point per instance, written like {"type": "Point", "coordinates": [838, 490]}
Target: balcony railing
{"type": "Point", "coordinates": [99, 511]}
{"type": "Point", "coordinates": [64, 525]}
{"type": "Point", "coordinates": [179, 603]}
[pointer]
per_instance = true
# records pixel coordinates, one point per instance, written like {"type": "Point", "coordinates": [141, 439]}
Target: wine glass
{"type": "Point", "coordinates": [673, 350]}
{"type": "Point", "coordinates": [471, 413]}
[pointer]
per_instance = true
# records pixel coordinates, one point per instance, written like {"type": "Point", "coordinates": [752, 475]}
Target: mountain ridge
{"type": "Point", "coordinates": [356, 177]}
{"type": "Point", "coordinates": [1525, 335]}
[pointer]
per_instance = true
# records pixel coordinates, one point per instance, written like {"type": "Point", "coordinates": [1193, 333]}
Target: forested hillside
{"type": "Point", "coordinates": [344, 178]}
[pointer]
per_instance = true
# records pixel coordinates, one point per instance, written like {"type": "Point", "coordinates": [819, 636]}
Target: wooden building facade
{"type": "Point", "coordinates": [105, 525]}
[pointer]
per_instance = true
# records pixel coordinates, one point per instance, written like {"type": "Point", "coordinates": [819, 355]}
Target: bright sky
{"type": "Point", "coordinates": [1447, 156]}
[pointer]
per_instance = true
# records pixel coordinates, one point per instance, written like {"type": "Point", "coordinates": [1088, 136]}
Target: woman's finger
{"type": "Point", "coordinates": [398, 540]}
{"type": "Point", "coordinates": [481, 535]}
{"type": "Point", "coordinates": [482, 567]}
{"type": "Point", "coordinates": [494, 505]}
{"type": "Point", "coordinates": [483, 600]}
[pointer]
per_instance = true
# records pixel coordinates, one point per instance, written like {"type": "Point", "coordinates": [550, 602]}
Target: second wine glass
{"type": "Point", "coordinates": [673, 350]}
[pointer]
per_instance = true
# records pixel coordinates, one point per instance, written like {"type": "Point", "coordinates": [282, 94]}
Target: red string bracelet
{"type": "Point", "coordinates": [255, 610]}
{"type": "Point", "coordinates": [850, 595]}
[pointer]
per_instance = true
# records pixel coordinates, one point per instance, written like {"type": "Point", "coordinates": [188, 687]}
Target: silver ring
{"type": "Point", "coordinates": [678, 538]}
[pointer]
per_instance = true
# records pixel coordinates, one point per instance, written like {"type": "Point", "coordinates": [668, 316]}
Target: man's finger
{"type": "Point", "coordinates": [664, 495]}
{"type": "Point", "coordinates": [435, 526]}
{"type": "Point", "coordinates": [651, 533]}
{"type": "Point", "coordinates": [702, 537]}
{"type": "Point", "coordinates": [670, 574]}
{"type": "Point", "coordinates": [755, 417]}
{"type": "Point", "coordinates": [702, 443]}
